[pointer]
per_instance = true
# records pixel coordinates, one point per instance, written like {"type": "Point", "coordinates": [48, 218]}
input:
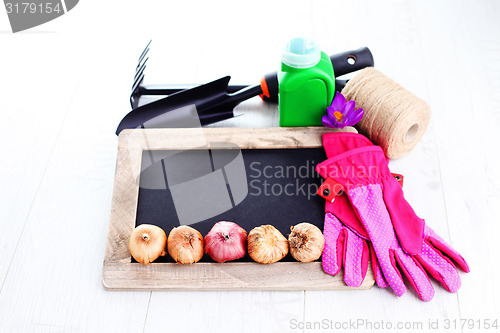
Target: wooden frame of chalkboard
{"type": "Point", "coordinates": [120, 273]}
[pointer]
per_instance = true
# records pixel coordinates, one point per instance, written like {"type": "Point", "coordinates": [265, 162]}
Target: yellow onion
{"type": "Point", "coordinates": [226, 241]}
{"type": "Point", "coordinates": [147, 242]}
{"type": "Point", "coordinates": [266, 244]}
{"type": "Point", "coordinates": [306, 242]}
{"type": "Point", "coordinates": [185, 245]}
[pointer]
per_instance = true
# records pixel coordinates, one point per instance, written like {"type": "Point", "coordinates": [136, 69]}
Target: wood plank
{"type": "Point", "coordinates": [244, 138]}
{"type": "Point", "coordinates": [31, 119]}
{"type": "Point", "coordinates": [123, 205]}
{"type": "Point", "coordinates": [54, 283]}
{"type": "Point", "coordinates": [467, 138]}
{"type": "Point", "coordinates": [225, 312]}
{"type": "Point", "coordinates": [226, 276]}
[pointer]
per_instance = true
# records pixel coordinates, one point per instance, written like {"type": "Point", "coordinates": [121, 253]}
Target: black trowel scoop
{"type": "Point", "coordinates": [212, 103]}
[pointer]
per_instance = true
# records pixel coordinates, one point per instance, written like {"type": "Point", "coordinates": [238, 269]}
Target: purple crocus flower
{"type": "Point", "coordinates": [341, 114]}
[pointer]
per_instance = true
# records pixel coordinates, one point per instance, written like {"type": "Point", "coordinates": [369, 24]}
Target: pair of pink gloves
{"type": "Point", "coordinates": [366, 212]}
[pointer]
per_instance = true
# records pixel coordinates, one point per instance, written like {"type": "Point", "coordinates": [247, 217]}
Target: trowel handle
{"type": "Point", "coordinates": [351, 61]}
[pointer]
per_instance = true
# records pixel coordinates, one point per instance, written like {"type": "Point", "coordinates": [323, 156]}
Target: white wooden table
{"type": "Point", "coordinates": [64, 87]}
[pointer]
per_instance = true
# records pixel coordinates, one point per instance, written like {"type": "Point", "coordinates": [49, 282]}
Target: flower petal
{"type": "Point", "coordinates": [354, 117]}
{"type": "Point", "coordinates": [338, 101]}
{"type": "Point", "coordinates": [350, 115]}
{"type": "Point", "coordinates": [330, 111]}
{"type": "Point", "coordinates": [348, 107]}
{"type": "Point", "coordinates": [332, 123]}
{"type": "Point", "coordinates": [327, 121]}
{"type": "Point", "coordinates": [357, 115]}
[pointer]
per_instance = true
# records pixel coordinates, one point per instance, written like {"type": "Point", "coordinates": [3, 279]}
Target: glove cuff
{"type": "Point", "coordinates": [356, 167]}
{"type": "Point", "coordinates": [340, 142]}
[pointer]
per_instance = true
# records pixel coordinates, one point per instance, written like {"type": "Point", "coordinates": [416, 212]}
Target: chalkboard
{"type": "Point", "coordinates": [159, 169]}
{"type": "Point", "coordinates": [281, 189]}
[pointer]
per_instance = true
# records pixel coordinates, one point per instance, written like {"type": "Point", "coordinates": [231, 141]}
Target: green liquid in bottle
{"type": "Point", "coordinates": [306, 84]}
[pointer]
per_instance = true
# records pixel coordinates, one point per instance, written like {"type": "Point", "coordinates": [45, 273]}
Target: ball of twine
{"type": "Point", "coordinates": [394, 118]}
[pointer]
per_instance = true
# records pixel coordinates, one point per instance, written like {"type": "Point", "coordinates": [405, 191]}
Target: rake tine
{"type": "Point", "coordinates": [134, 99]}
{"type": "Point", "coordinates": [143, 54]}
{"type": "Point", "coordinates": [138, 81]}
{"type": "Point", "coordinates": [139, 75]}
{"type": "Point", "coordinates": [140, 67]}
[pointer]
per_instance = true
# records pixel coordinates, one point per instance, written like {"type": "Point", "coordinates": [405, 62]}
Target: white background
{"type": "Point", "coordinates": [64, 87]}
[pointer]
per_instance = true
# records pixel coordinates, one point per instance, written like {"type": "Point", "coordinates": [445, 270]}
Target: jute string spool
{"type": "Point", "coordinates": [394, 118]}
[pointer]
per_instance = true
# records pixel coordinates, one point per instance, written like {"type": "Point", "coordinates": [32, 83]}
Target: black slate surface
{"type": "Point", "coordinates": [269, 172]}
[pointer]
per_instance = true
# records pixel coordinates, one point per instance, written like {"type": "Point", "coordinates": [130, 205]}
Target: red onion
{"type": "Point", "coordinates": [226, 241]}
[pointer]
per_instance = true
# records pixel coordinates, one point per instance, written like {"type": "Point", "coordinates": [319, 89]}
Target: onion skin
{"type": "Point", "coordinates": [266, 245]}
{"type": "Point", "coordinates": [185, 245]}
{"type": "Point", "coordinates": [226, 241]}
{"type": "Point", "coordinates": [306, 242]}
{"type": "Point", "coordinates": [147, 242]}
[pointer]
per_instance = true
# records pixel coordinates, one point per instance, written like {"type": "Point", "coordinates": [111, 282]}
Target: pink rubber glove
{"type": "Point", "coordinates": [346, 248]}
{"type": "Point", "coordinates": [383, 211]}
